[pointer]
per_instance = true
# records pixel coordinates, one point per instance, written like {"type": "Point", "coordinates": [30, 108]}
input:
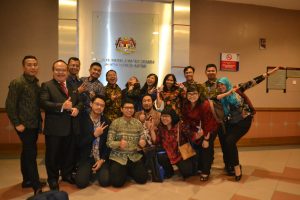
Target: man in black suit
{"type": "Point", "coordinates": [61, 104]}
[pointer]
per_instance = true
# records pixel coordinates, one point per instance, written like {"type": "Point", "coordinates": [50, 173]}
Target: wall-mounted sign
{"type": "Point", "coordinates": [229, 62]}
{"type": "Point", "coordinates": [262, 43]}
{"type": "Point", "coordinates": [125, 45]}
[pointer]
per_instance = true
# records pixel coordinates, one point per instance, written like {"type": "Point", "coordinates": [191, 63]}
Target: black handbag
{"type": "Point", "coordinates": [157, 171]}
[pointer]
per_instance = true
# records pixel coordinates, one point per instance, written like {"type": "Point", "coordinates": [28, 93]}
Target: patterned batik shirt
{"type": "Point", "coordinates": [112, 107]}
{"type": "Point", "coordinates": [168, 140]}
{"type": "Point", "coordinates": [22, 102]}
{"type": "Point", "coordinates": [95, 153]}
{"type": "Point", "coordinates": [174, 99]}
{"type": "Point", "coordinates": [93, 87]}
{"type": "Point", "coordinates": [131, 131]}
{"type": "Point", "coordinates": [211, 88]}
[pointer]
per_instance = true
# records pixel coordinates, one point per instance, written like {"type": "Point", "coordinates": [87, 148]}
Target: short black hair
{"type": "Point", "coordinates": [111, 70]}
{"type": "Point", "coordinates": [174, 116]}
{"type": "Point", "coordinates": [28, 57]}
{"type": "Point", "coordinates": [97, 96]}
{"type": "Point", "coordinates": [125, 101]}
{"type": "Point", "coordinates": [192, 88]}
{"type": "Point", "coordinates": [73, 58]}
{"type": "Point", "coordinates": [188, 67]}
{"type": "Point", "coordinates": [95, 64]}
{"type": "Point", "coordinates": [146, 95]}
{"type": "Point", "coordinates": [211, 65]}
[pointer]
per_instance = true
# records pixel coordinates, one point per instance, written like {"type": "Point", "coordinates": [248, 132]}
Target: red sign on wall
{"type": "Point", "coordinates": [229, 62]}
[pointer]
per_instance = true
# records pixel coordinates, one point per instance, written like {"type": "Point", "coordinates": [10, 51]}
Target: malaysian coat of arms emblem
{"type": "Point", "coordinates": [125, 45]}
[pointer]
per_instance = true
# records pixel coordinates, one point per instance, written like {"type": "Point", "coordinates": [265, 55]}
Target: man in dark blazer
{"type": "Point", "coordinates": [61, 104]}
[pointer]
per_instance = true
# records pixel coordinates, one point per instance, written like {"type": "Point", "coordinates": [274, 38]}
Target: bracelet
{"type": "Point", "coordinates": [206, 139]}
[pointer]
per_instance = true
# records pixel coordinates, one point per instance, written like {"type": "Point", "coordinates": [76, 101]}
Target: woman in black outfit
{"type": "Point", "coordinates": [239, 113]}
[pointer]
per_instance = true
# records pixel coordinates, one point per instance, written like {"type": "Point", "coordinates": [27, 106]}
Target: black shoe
{"type": "Point", "coordinates": [28, 184]}
{"type": "Point", "coordinates": [238, 177]}
{"type": "Point", "coordinates": [38, 191]}
{"type": "Point", "coordinates": [229, 171]}
{"type": "Point", "coordinates": [69, 179]}
{"type": "Point", "coordinates": [53, 185]}
{"type": "Point", "coordinates": [43, 183]}
{"type": "Point", "coordinates": [204, 177]}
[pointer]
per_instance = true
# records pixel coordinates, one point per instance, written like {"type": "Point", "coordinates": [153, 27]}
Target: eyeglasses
{"type": "Point", "coordinates": [128, 108]}
{"type": "Point", "coordinates": [192, 93]}
{"type": "Point", "coordinates": [99, 104]}
{"type": "Point", "coordinates": [60, 70]}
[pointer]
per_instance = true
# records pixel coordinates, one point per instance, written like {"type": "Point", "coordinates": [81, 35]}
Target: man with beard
{"type": "Point", "coordinates": [73, 68]}
{"type": "Point", "coordinates": [149, 117]}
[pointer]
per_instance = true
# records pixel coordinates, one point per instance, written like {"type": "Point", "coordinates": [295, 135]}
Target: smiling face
{"type": "Point", "coordinates": [60, 71]}
{"type": "Point", "coordinates": [193, 96]}
{"type": "Point", "coordinates": [189, 75]}
{"type": "Point", "coordinates": [166, 119]}
{"type": "Point", "coordinates": [151, 80]}
{"type": "Point", "coordinates": [95, 71]}
{"type": "Point", "coordinates": [111, 77]}
{"type": "Point", "coordinates": [97, 106]}
{"type": "Point", "coordinates": [127, 110]}
{"type": "Point", "coordinates": [74, 67]}
{"type": "Point", "coordinates": [147, 103]}
{"type": "Point", "coordinates": [170, 82]}
{"type": "Point", "coordinates": [221, 87]}
{"type": "Point", "coordinates": [211, 73]}
{"type": "Point", "coordinates": [30, 67]}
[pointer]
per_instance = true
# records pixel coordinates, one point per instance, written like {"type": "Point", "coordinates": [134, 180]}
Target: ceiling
{"type": "Point", "coordinates": [284, 4]}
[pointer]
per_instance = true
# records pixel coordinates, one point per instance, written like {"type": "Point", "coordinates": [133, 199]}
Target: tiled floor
{"type": "Point", "coordinates": [268, 173]}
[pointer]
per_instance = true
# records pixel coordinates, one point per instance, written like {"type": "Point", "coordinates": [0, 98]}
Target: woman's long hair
{"type": "Point", "coordinates": [174, 86]}
{"type": "Point", "coordinates": [144, 89]}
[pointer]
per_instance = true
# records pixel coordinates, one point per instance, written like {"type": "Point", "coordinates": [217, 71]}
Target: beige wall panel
{"type": "Point", "coordinates": [235, 28]}
{"type": "Point", "coordinates": [27, 27]}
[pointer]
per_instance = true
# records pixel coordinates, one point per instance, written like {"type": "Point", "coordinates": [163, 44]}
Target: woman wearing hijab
{"type": "Point", "coordinates": [239, 113]}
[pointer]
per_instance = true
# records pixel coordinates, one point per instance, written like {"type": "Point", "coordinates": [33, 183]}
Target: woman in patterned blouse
{"type": "Point", "coordinates": [169, 132]}
{"type": "Point", "coordinates": [150, 86]}
{"type": "Point", "coordinates": [171, 94]}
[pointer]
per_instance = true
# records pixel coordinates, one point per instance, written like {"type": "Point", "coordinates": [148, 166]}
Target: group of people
{"type": "Point", "coordinates": [101, 132]}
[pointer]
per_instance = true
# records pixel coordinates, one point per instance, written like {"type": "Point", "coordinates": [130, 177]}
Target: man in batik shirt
{"type": "Point", "coordinates": [211, 83]}
{"type": "Point", "coordinates": [189, 77]}
{"type": "Point", "coordinates": [113, 94]}
{"type": "Point", "coordinates": [91, 86]}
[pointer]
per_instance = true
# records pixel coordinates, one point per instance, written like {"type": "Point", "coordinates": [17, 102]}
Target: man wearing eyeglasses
{"type": "Point", "coordinates": [61, 104]}
{"type": "Point", "coordinates": [125, 139]}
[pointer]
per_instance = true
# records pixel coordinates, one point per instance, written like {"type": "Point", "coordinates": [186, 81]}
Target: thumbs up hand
{"type": "Point", "coordinates": [123, 143]}
{"type": "Point", "coordinates": [67, 105]}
